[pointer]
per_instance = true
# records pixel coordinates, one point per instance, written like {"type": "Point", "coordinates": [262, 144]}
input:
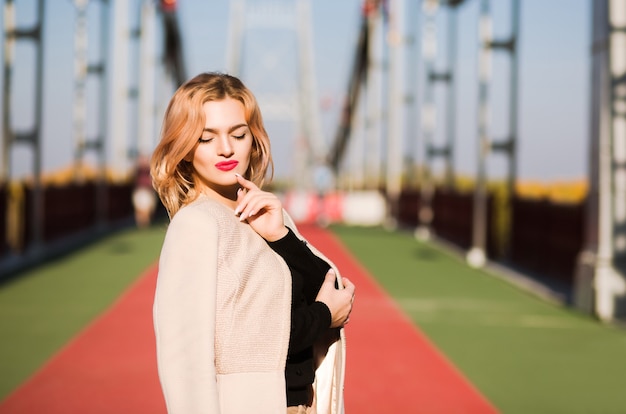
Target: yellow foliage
{"type": "Point", "coordinates": [15, 216]}
{"type": "Point", "coordinates": [77, 174]}
{"type": "Point", "coordinates": [573, 191]}
{"type": "Point", "coordinates": [558, 191]}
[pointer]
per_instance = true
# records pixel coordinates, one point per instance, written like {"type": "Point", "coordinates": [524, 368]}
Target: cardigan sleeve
{"type": "Point", "coordinates": [184, 314]}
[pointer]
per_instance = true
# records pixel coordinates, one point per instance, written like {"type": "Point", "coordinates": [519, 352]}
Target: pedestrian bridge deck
{"type": "Point", "coordinates": [520, 352]}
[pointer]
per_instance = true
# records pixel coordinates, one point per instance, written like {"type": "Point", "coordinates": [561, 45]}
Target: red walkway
{"type": "Point", "coordinates": [110, 366]}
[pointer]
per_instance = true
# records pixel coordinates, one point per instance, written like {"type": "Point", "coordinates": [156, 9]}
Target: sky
{"type": "Point", "coordinates": [554, 78]}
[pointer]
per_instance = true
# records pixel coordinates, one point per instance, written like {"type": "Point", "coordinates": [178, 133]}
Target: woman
{"type": "Point", "coordinates": [222, 309]}
{"type": "Point", "coordinates": [144, 199]}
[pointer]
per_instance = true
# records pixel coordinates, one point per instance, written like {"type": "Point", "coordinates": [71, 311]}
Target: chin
{"type": "Point", "coordinates": [228, 183]}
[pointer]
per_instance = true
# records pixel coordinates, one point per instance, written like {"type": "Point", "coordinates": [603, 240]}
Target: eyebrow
{"type": "Point", "coordinates": [231, 129]}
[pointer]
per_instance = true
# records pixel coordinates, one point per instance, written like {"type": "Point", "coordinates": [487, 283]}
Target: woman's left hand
{"type": "Point", "coordinates": [261, 209]}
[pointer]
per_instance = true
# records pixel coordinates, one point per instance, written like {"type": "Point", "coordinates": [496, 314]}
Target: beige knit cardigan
{"type": "Point", "coordinates": [222, 319]}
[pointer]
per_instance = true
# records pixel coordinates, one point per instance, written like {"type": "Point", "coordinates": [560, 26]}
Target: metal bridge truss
{"type": "Point", "coordinates": [292, 102]}
{"type": "Point", "coordinates": [32, 138]}
{"type": "Point", "coordinates": [118, 25]}
{"type": "Point", "coordinates": [600, 283]}
{"type": "Point", "coordinates": [486, 144]}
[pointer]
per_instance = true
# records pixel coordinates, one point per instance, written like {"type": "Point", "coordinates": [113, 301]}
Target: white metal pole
{"type": "Point", "coordinates": [476, 257]}
{"type": "Point", "coordinates": [609, 281]}
{"type": "Point", "coordinates": [428, 119]}
{"type": "Point", "coordinates": [374, 92]}
{"type": "Point", "coordinates": [9, 54]}
{"type": "Point", "coordinates": [80, 80]}
{"type": "Point", "coordinates": [147, 69]}
{"type": "Point", "coordinates": [357, 145]}
{"type": "Point", "coordinates": [119, 88]}
{"type": "Point", "coordinates": [395, 125]}
{"type": "Point", "coordinates": [235, 34]}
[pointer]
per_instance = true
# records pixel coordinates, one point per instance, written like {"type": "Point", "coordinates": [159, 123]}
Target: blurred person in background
{"type": "Point", "coordinates": [248, 316]}
{"type": "Point", "coordinates": [144, 198]}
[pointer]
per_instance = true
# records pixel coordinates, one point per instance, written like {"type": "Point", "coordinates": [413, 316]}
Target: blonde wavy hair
{"type": "Point", "coordinates": [173, 178]}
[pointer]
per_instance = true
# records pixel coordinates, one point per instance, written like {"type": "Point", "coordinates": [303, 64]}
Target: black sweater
{"type": "Point", "coordinates": [309, 319]}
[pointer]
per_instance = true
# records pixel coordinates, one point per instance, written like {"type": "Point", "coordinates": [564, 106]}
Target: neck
{"type": "Point", "coordinates": [226, 195]}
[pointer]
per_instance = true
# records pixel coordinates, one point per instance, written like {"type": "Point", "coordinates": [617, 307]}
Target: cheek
{"type": "Point", "coordinates": [246, 150]}
{"type": "Point", "coordinates": [202, 154]}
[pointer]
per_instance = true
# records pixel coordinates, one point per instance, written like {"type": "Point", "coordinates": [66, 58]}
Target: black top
{"type": "Point", "coordinates": [309, 319]}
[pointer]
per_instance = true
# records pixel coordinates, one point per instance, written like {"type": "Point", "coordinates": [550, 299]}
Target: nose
{"type": "Point", "coordinates": [225, 148]}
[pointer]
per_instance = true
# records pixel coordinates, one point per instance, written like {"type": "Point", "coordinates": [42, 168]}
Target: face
{"type": "Point", "coordinates": [224, 147]}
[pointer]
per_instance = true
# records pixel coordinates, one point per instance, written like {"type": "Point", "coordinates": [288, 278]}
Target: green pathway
{"type": "Point", "coordinates": [525, 355]}
{"type": "Point", "coordinates": [41, 309]}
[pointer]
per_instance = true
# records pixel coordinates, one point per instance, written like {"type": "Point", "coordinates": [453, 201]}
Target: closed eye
{"type": "Point", "coordinates": [204, 140]}
{"type": "Point", "coordinates": [242, 136]}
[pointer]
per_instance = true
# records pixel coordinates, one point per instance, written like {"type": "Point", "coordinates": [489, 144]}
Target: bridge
{"type": "Point", "coordinates": [388, 153]}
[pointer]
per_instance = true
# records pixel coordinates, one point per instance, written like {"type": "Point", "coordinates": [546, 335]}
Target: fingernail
{"type": "Point", "coordinates": [242, 217]}
{"type": "Point", "coordinates": [238, 175]}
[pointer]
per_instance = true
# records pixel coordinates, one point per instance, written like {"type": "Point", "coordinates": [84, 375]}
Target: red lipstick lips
{"type": "Point", "coordinates": [226, 165]}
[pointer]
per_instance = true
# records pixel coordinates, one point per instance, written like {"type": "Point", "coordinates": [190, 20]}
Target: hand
{"type": "Point", "coordinates": [262, 210]}
{"type": "Point", "coordinates": [339, 301]}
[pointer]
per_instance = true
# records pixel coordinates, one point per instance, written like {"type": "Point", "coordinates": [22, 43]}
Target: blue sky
{"type": "Point", "coordinates": [554, 77]}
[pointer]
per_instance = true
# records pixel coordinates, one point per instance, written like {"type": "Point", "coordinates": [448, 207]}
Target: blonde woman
{"type": "Point", "coordinates": [225, 305]}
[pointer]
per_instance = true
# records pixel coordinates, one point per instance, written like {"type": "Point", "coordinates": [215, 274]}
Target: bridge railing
{"type": "Point", "coordinates": [545, 237]}
{"type": "Point", "coordinates": [71, 212]}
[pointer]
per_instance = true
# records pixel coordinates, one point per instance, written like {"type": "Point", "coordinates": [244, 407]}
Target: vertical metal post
{"type": "Point", "coordinates": [513, 99]}
{"type": "Point", "coordinates": [38, 196]}
{"type": "Point", "coordinates": [9, 55]}
{"type": "Point", "coordinates": [33, 137]}
{"type": "Point", "coordinates": [82, 69]}
{"type": "Point", "coordinates": [509, 145]}
{"type": "Point", "coordinates": [413, 51]}
{"type": "Point", "coordinates": [308, 99]}
{"type": "Point", "coordinates": [235, 37]}
{"type": "Point", "coordinates": [447, 150]}
{"type": "Point", "coordinates": [395, 135]}
{"type": "Point", "coordinates": [80, 79]}
{"type": "Point", "coordinates": [103, 112]}
{"type": "Point", "coordinates": [429, 119]}
{"type": "Point", "coordinates": [476, 256]}
{"type": "Point", "coordinates": [600, 279]}
{"type": "Point", "coordinates": [296, 103]}
{"type": "Point", "coordinates": [119, 88]}
{"type": "Point", "coordinates": [610, 272]}
{"type": "Point", "coordinates": [373, 92]}
{"type": "Point", "coordinates": [356, 146]}
{"type": "Point", "coordinates": [146, 119]}
{"type": "Point", "coordinates": [7, 133]}
{"type": "Point", "coordinates": [449, 176]}
{"type": "Point", "coordinates": [617, 22]}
